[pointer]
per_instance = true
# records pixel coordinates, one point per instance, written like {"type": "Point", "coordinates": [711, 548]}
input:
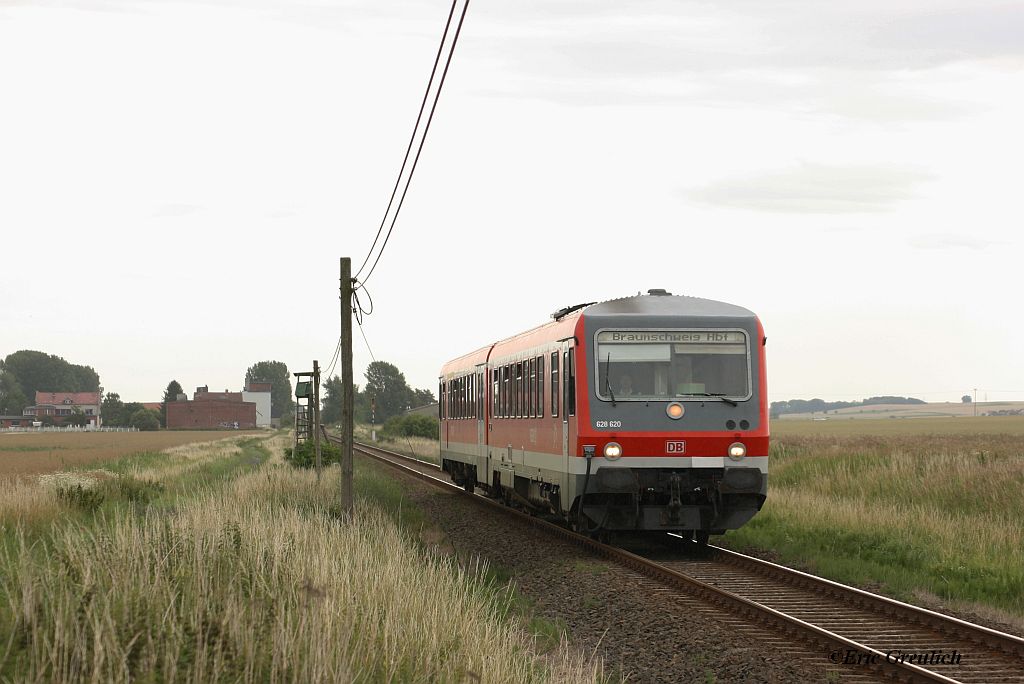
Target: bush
{"type": "Point", "coordinates": [413, 425]}
{"type": "Point", "coordinates": [305, 455]}
{"type": "Point", "coordinates": [78, 496]}
{"type": "Point", "coordinates": [145, 420]}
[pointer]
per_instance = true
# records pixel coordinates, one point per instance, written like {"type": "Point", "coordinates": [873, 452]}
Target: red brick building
{"type": "Point", "coordinates": [211, 410]}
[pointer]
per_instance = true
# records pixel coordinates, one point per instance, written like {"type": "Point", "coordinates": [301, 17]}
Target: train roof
{"type": "Point", "coordinates": [661, 303]}
{"type": "Point", "coordinates": [655, 304]}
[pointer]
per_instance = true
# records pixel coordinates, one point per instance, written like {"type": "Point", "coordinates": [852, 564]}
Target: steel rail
{"type": "Point", "coordinates": [823, 639]}
{"type": "Point", "coordinates": [979, 634]}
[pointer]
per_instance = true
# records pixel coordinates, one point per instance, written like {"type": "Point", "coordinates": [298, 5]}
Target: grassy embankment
{"type": "Point", "coordinates": [217, 562]}
{"type": "Point", "coordinates": [417, 447]}
{"type": "Point", "coordinates": [913, 507]}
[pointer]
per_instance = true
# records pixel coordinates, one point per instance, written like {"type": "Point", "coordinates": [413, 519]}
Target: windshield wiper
{"type": "Point", "coordinates": [608, 377]}
{"type": "Point", "coordinates": [717, 395]}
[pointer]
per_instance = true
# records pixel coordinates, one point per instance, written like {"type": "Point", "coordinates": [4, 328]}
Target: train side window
{"type": "Point", "coordinates": [472, 396]}
{"type": "Point", "coordinates": [458, 398]}
{"type": "Point", "coordinates": [540, 386]}
{"type": "Point", "coordinates": [518, 391]}
{"type": "Point", "coordinates": [494, 391]}
{"type": "Point", "coordinates": [570, 401]}
{"type": "Point", "coordinates": [531, 384]}
{"type": "Point", "coordinates": [505, 391]}
{"type": "Point", "coordinates": [440, 401]}
{"type": "Point", "coordinates": [554, 384]}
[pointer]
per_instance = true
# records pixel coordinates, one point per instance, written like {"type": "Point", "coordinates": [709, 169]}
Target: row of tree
{"type": "Point", "coordinates": [25, 372]}
{"type": "Point", "coordinates": [819, 405]}
{"type": "Point", "coordinates": [385, 395]}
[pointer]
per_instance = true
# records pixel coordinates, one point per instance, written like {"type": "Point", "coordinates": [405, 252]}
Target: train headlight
{"type": "Point", "coordinates": [675, 410]}
{"type": "Point", "coordinates": [612, 450]}
{"type": "Point", "coordinates": [737, 450]}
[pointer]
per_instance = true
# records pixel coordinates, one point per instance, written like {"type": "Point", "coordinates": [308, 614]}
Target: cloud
{"type": "Point", "coordinates": [857, 61]}
{"type": "Point", "coordinates": [950, 241]}
{"type": "Point", "coordinates": [815, 189]}
{"type": "Point", "coordinates": [175, 210]}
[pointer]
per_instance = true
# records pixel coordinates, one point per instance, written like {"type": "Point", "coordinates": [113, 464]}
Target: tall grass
{"type": "Point", "coordinates": [257, 578]}
{"type": "Point", "coordinates": [939, 515]}
{"type": "Point", "coordinates": [417, 447]}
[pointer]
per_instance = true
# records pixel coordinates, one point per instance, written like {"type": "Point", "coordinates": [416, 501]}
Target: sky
{"type": "Point", "coordinates": [178, 181]}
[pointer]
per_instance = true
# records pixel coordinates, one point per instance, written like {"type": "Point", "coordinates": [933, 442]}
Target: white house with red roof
{"type": "Point", "coordinates": [61, 405]}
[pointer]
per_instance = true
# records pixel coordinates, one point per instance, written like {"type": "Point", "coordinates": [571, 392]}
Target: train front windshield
{"type": "Point", "coordinates": [639, 365]}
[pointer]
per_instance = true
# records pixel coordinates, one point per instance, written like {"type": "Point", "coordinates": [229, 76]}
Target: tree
{"type": "Point", "coordinates": [77, 418]}
{"type": "Point", "coordinates": [112, 410]}
{"type": "Point", "coordinates": [170, 394]}
{"type": "Point", "coordinates": [332, 402]}
{"type": "Point", "coordinates": [422, 397]}
{"type": "Point", "coordinates": [332, 392]}
{"type": "Point", "coordinates": [966, 399]}
{"type": "Point", "coordinates": [12, 399]}
{"type": "Point", "coordinates": [276, 373]}
{"type": "Point", "coordinates": [386, 386]}
{"type": "Point", "coordinates": [146, 420]}
{"type": "Point", "coordinates": [36, 371]}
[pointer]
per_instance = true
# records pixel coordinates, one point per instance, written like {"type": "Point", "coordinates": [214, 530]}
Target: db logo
{"type": "Point", "coordinates": [677, 447]}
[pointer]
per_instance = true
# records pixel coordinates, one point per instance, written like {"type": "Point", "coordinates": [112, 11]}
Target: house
{"type": "Point", "coordinates": [61, 405]}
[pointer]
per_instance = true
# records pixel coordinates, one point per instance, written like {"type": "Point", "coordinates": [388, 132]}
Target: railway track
{"type": "Point", "coordinates": [860, 633]}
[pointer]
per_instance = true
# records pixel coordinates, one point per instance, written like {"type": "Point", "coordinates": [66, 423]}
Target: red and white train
{"type": "Point", "coordinates": [635, 415]}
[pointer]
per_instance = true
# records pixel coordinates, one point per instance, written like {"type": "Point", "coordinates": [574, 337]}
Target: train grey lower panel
{"type": "Point", "coordinates": [668, 499]}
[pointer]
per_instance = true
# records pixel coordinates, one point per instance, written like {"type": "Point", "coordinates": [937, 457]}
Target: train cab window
{"type": "Point", "coordinates": [554, 384]}
{"type": "Point", "coordinates": [440, 402]}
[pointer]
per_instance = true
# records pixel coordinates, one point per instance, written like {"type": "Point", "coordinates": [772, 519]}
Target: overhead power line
{"type": "Point", "coordinates": [419, 148]}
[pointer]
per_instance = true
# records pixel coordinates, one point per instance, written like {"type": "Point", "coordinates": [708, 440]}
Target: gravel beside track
{"type": "Point", "coordinates": [641, 629]}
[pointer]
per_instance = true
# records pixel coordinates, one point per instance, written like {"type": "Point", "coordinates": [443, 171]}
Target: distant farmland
{"type": "Point", "coordinates": [934, 410]}
{"type": "Point", "coordinates": [894, 427]}
{"type": "Point", "coordinates": [47, 452]}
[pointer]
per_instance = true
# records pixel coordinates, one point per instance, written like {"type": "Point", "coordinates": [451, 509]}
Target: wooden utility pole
{"type": "Point", "coordinates": [316, 417]}
{"type": "Point", "coordinates": [347, 412]}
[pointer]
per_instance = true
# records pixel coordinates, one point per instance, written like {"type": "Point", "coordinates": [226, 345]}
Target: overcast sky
{"type": "Point", "coordinates": [178, 180]}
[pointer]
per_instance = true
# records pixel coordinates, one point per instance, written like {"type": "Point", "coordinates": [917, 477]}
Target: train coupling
{"type": "Point", "coordinates": [675, 503]}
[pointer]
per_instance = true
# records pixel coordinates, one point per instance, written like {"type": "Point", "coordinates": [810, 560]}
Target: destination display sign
{"type": "Point", "coordinates": [671, 336]}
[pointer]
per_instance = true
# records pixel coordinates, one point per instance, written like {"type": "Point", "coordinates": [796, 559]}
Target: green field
{"type": "Point", "coordinates": [918, 509]}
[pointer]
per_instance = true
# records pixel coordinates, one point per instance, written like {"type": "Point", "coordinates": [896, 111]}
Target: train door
{"type": "Point", "coordinates": [481, 421]}
{"type": "Point", "coordinates": [564, 413]}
